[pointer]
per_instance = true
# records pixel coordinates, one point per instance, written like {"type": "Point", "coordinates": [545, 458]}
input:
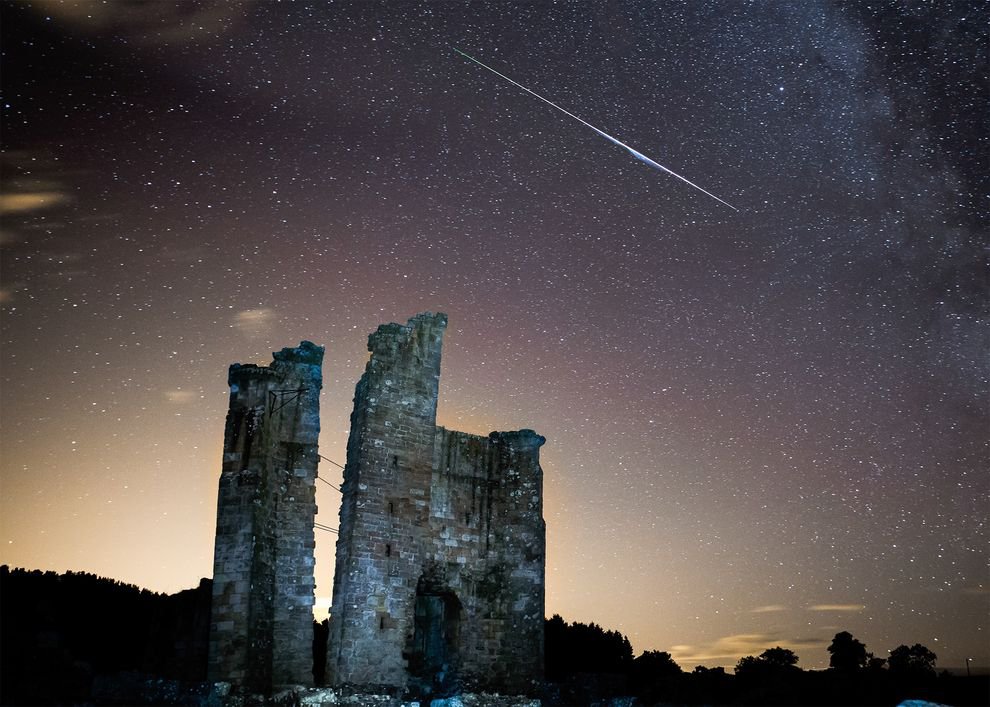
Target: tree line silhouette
{"type": "Point", "coordinates": [60, 632]}
{"type": "Point", "coordinates": [587, 663]}
{"type": "Point", "coordinates": [78, 638]}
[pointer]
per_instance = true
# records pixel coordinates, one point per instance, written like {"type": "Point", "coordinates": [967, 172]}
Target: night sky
{"type": "Point", "coordinates": [763, 427]}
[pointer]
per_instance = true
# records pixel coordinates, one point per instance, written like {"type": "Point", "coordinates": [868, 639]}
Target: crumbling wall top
{"type": "Point", "coordinates": [518, 439]}
{"type": "Point", "coordinates": [306, 354]}
{"type": "Point", "coordinates": [389, 339]}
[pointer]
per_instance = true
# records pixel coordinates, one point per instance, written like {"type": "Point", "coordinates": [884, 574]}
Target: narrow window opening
{"type": "Point", "coordinates": [391, 508]}
{"type": "Point", "coordinates": [381, 623]}
{"type": "Point", "coordinates": [467, 519]}
{"type": "Point", "coordinates": [388, 549]}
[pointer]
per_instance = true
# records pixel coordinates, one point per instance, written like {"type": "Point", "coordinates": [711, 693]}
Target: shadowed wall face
{"type": "Point", "coordinates": [487, 548]}
{"type": "Point", "coordinates": [439, 581]}
{"type": "Point", "coordinates": [263, 582]}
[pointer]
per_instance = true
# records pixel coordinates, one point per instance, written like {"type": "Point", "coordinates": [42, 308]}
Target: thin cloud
{"type": "Point", "coordinates": [727, 650]}
{"type": "Point", "coordinates": [151, 23]}
{"type": "Point", "coordinates": [253, 322]}
{"type": "Point", "coordinates": [30, 201]}
{"type": "Point", "coordinates": [30, 182]}
{"type": "Point", "coordinates": [837, 607]}
{"type": "Point", "coordinates": [768, 609]}
{"type": "Point", "coordinates": [180, 396]}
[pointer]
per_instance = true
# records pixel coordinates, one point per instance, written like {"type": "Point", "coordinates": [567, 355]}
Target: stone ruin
{"type": "Point", "coordinates": [261, 625]}
{"type": "Point", "coordinates": [439, 579]}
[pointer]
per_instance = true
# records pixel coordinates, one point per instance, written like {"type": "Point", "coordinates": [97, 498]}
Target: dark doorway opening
{"type": "Point", "coordinates": [433, 659]}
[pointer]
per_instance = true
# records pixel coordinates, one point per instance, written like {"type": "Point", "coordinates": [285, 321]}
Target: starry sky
{"type": "Point", "coordinates": [764, 426]}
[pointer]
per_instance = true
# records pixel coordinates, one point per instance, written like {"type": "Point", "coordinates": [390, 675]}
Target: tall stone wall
{"type": "Point", "coordinates": [488, 550]}
{"type": "Point", "coordinates": [385, 503]}
{"type": "Point", "coordinates": [263, 583]}
{"type": "Point", "coordinates": [439, 582]}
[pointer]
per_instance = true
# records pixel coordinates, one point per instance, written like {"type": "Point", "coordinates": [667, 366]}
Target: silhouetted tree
{"type": "Point", "coordinates": [748, 667]}
{"type": "Point", "coordinates": [770, 678]}
{"type": "Point", "coordinates": [916, 661]}
{"type": "Point", "coordinates": [772, 661]}
{"type": "Point", "coordinates": [654, 675]}
{"type": "Point", "coordinates": [555, 649]}
{"type": "Point", "coordinates": [708, 686]}
{"type": "Point", "coordinates": [583, 648]}
{"type": "Point", "coordinates": [588, 662]}
{"type": "Point", "coordinates": [779, 657]}
{"type": "Point", "coordinates": [847, 653]}
{"type": "Point", "coordinates": [656, 664]}
{"type": "Point", "coordinates": [874, 664]}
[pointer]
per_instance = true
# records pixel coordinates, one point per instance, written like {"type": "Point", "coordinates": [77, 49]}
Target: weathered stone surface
{"type": "Point", "coordinates": [263, 584]}
{"type": "Point", "coordinates": [439, 581]}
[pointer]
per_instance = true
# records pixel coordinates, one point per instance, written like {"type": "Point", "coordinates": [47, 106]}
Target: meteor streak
{"type": "Point", "coordinates": [635, 153]}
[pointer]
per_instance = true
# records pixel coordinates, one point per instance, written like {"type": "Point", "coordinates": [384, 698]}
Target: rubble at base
{"type": "Point", "coordinates": [132, 689]}
{"type": "Point", "coordinates": [221, 695]}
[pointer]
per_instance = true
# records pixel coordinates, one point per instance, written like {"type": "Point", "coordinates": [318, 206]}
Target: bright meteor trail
{"type": "Point", "coordinates": [635, 153]}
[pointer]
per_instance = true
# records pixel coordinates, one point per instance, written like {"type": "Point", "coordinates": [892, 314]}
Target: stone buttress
{"type": "Point", "coordinates": [261, 628]}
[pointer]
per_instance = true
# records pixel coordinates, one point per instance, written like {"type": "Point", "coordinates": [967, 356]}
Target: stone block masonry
{"type": "Point", "coordinates": [261, 630]}
{"type": "Point", "coordinates": [439, 581]}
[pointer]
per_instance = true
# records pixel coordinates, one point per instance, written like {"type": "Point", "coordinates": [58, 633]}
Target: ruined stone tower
{"type": "Point", "coordinates": [439, 581]}
{"type": "Point", "coordinates": [261, 630]}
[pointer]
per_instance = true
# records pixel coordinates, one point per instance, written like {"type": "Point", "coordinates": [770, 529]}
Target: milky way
{"type": "Point", "coordinates": [762, 427]}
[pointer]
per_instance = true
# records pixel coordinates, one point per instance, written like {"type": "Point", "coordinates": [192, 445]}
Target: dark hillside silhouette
{"type": "Point", "coordinates": [59, 631]}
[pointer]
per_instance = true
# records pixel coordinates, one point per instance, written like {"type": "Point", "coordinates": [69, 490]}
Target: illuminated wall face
{"type": "Point", "coordinates": [261, 631]}
{"type": "Point", "coordinates": [439, 578]}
